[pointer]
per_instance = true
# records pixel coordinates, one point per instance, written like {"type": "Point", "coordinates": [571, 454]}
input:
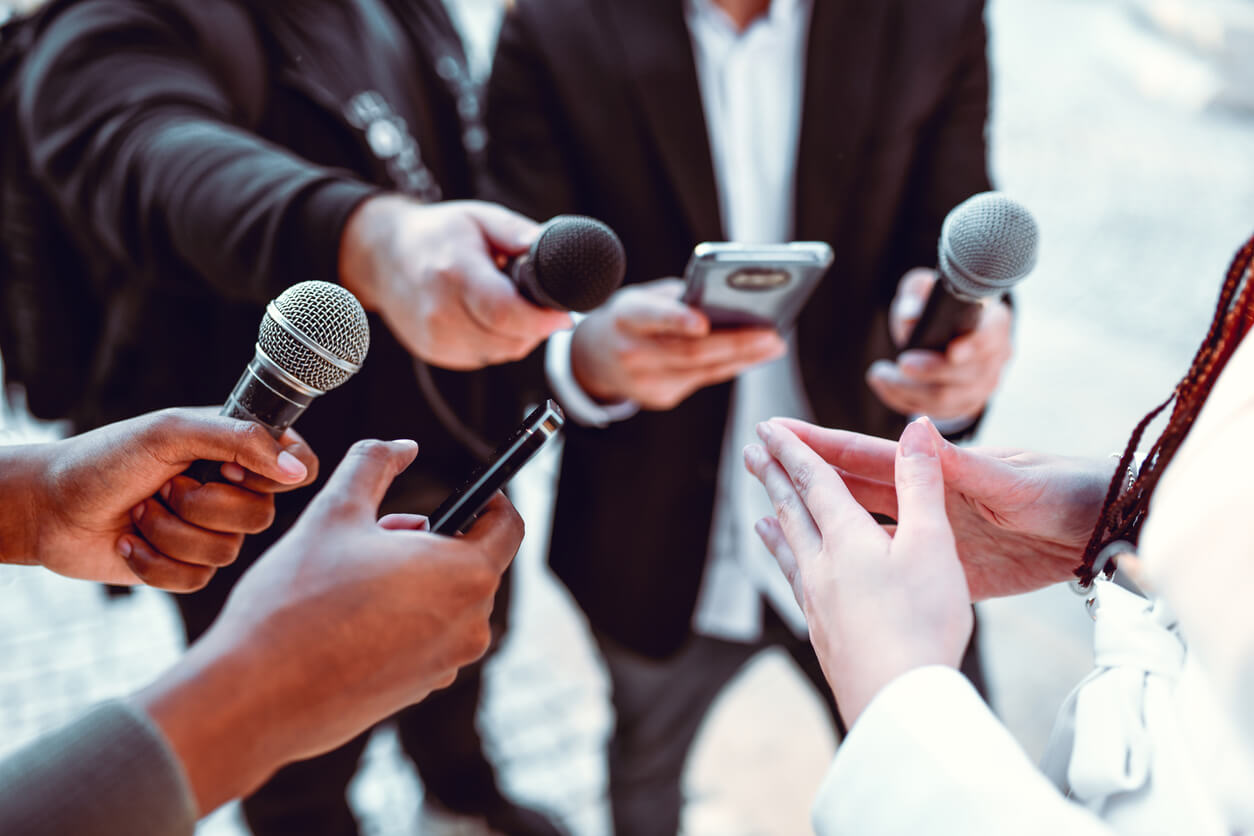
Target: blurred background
{"type": "Point", "coordinates": [1127, 126]}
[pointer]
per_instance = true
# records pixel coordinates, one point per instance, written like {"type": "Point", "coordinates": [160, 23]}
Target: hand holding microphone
{"type": "Point", "coordinates": [953, 324]}
{"type": "Point", "coordinates": [434, 273]}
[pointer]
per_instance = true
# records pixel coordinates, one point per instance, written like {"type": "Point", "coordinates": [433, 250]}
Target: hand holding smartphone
{"type": "Point", "coordinates": [754, 285]}
{"type": "Point", "coordinates": [457, 512]}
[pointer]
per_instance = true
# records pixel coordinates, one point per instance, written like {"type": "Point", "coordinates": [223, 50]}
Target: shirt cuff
{"type": "Point", "coordinates": [928, 750]}
{"type": "Point", "coordinates": [578, 404]}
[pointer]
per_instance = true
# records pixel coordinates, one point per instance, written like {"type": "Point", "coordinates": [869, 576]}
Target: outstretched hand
{"type": "Point", "coordinates": [1020, 519]}
{"type": "Point", "coordinates": [878, 604]}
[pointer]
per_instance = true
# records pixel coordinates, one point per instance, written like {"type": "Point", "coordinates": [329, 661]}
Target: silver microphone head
{"type": "Point", "coordinates": [317, 332]}
{"type": "Point", "coordinates": [987, 244]}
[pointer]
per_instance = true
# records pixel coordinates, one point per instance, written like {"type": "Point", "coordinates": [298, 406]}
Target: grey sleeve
{"type": "Point", "coordinates": [109, 773]}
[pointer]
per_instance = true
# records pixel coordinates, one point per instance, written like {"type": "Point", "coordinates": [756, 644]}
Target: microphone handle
{"type": "Point", "coordinates": [263, 397]}
{"type": "Point", "coordinates": [944, 317]}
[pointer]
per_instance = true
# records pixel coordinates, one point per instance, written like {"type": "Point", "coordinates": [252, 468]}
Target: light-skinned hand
{"type": "Point", "coordinates": [340, 624]}
{"type": "Point", "coordinates": [112, 505]}
{"type": "Point", "coordinates": [433, 272]}
{"type": "Point", "coordinates": [956, 384]}
{"type": "Point", "coordinates": [878, 605]}
{"type": "Point", "coordinates": [1021, 519]}
{"type": "Point", "coordinates": [647, 346]}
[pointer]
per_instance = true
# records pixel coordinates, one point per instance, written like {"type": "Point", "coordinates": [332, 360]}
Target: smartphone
{"type": "Point", "coordinates": [739, 285]}
{"type": "Point", "coordinates": [463, 505]}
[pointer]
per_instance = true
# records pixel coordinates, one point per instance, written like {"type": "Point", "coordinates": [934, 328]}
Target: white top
{"type": "Point", "coordinates": [1159, 739]}
{"type": "Point", "coordinates": [751, 86]}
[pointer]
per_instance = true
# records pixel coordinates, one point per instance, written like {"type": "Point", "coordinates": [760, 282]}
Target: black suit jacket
{"type": "Point", "coordinates": [199, 192]}
{"type": "Point", "coordinates": [594, 107]}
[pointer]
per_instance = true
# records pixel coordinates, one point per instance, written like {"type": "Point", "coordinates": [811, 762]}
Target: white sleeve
{"type": "Point", "coordinates": [928, 756]}
{"type": "Point", "coordinates": [578, 405]}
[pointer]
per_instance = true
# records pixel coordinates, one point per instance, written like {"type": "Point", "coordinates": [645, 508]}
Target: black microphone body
{"type": "Point", "coordinates": [575, 264]}
{"type": "Point", "coordinates": [313, 338]}
{"type": "Point", "coordinates": [987, 245]}
{"type": "Point", "coordinates": [947, 315]}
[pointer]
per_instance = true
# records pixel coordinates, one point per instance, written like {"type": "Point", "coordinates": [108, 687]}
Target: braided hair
{"type": "Point", "coordinates": [1124, 511]}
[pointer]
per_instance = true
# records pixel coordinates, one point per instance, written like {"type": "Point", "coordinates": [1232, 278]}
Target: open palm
{"type": "Point", "coordinates": [1020, 519]}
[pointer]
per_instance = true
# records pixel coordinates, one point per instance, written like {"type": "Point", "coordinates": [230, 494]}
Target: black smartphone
{"type": "Point", "coordinates": [463, 505]}
{"type": "Point", "coordinates": [754, 284]}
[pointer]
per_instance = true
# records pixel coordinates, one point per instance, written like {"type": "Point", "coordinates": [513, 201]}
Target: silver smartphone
{"type": "Point", "coordinates": [739, 285]}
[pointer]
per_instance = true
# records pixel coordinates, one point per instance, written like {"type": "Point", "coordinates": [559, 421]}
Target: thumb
{"type": "Point", "coordinates": [908, 304]}
{"type": "Point", "coordinates": [920, 482]}
{"type": "Point", "coordinates": [497, 532]}
{"type": "Point", "coordinates": [505, 230]}
{"type": "Point", "coordinates": [357, 486]}
{"type": "Point", "coordinates": [653, 309]}
{"type": "Point", "coordinates": [182, 436]}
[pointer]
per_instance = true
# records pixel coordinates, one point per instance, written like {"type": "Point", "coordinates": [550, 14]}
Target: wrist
{"type": "Point", "coordinates": [217, 711]}
{"type": "Point", "coordinates": [584, 371]}
{"type": "Point", "coordinates": [24, 501]}
{"type": "Point", "coordinates": [369, 234]}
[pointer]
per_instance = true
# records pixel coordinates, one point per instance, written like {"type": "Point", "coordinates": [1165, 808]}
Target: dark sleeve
{"type": "Point", "coordinates": [141, 150]}
{"type": "Point", "coordinates": [526, 168]}
{"type": "Point", "coordinates": [111, 773]}
{"type": "Point", "coordinates": [953, 160]}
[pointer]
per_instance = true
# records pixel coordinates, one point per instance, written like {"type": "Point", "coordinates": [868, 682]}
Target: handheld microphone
{"type": "Point", "coordinates": [987, 245]}
{"type": "Point", "coordinates": [575, 265]}
{"type": "Point", "coordinates": [313, 338]}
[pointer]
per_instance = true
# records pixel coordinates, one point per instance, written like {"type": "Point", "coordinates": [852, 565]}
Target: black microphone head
{"type": "Point", "coordinates": [317, 332]}
{"type": "Point", "coordinates": [578, 262]}
{"type": "Point", "coordinates": [988, 243]}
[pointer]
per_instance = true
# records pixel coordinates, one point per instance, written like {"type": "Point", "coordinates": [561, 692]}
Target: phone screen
{"type": "Point", "coordinates": [461, 508]}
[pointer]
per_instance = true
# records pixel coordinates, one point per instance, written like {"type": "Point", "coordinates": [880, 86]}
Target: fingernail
{"type": "Point", "coordinates": [137, 513]}
{"type": "Point", "coordinates": [882, 370]}
{"type": "Point", "coordinates": [765, 431]}
{"type": "Point", "coordinates": [918, 440]}
{"type": "Point", "coordinates": [165, 491]}
{"type": "Point", "coordinates": [124, 547]}
{"type": "Point", "coordinates": [234, 473]}
{"type": "Point", "coordinates": [910, 307]}
{"type": "Point", "coordinates": [915, 360]}
{"type": "Point", "coordinates": [752, 454]}
{"type": "Point", "coordinates": [406, 442]}
{"type": "Point", "coordinates": [292, 466]}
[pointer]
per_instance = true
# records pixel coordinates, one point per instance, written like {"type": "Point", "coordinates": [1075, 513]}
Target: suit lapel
{"type": "Point", "coordinates": [657, 54]}
{"type": "Point", "coordinates": [837, 107]}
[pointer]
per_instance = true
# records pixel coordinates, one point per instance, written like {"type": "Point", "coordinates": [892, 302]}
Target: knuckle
{"type": "Point", "coordinates": [263, 516]}
{"type": "Point", "coordinates": [476, 640]}
{"type": "Point", "coordinates": [194, 580]}
{"type": "Point", "coordinates": [803, 477]}
{"type": "Point", "coordinates": [480, 581]}
{"type": "Point", "coordinates": [371, 450]}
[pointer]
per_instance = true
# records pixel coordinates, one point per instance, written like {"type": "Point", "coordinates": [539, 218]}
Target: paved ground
{"type": "Point", "coordinates": [1123, 141]}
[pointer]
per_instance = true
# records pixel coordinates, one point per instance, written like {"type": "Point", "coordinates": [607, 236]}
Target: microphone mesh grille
{"type": "Point", "coordinates": [579, 261]}
{"type": "Point", "coordinates": [988, 244]}
{"type": "Point", "coordinates": [330, 317]}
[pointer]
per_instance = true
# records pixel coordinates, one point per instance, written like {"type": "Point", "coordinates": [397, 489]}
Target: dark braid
{"type": "Point", "coordinates": [1123, 514]}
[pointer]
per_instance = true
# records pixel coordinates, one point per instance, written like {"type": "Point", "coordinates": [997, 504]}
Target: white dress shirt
{"type": "Point", "coordinates": [751, 86]}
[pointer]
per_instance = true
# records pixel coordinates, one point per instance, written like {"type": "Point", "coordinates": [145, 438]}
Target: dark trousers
{"type": "Point", "coordinates": [660, 705]}
{"type": "Point", "coordinates": [439, 734]}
